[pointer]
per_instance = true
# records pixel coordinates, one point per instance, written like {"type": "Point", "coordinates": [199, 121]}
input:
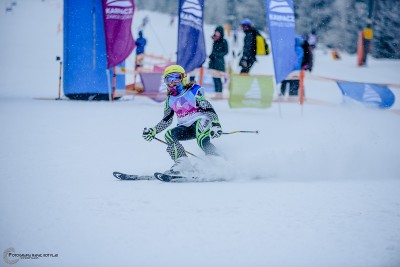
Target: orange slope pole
{"type": "Point", "coordinates": [301, 96]}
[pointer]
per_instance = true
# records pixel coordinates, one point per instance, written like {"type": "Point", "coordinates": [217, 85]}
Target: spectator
{"type": "Point", "coordinates": [367, 38]}
{"type": "Point", "coordinates": [145, 20]}
{"type": "Point", "coordinates": [172, 20]}
{"type": "Point", "coordinates": [335, 54]}
{"type": "Point", "coordinates": [217, 62]}
{"type": "Point", "coordinates": [140, 44]}
{"type": "Point", "coordinates": [293, 80]}
{"type": "Point", "coordinates": [235, 35]}
{"type": "Point", "coordinates": [249, 46]}
{"type": "Point", "coordinates": [312, 40]}
{"type": "Point", "coordinates": [307, 62]}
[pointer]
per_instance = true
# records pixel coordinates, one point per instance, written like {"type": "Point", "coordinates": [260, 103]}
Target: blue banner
{"type": "Point", "coordinates": [372, 95]}
{"type": "Point", "coordinates": [281, 26]}
{"type": "Point", "coordinates": [191, 44]}
{"type": "Point", "coordinates": [85, 57]}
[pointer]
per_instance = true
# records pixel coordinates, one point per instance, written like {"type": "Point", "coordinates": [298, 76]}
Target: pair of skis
{"type": "Point", "coordinates": [159, 176]}
{"type": "Point", "coordinates": [171, 178]}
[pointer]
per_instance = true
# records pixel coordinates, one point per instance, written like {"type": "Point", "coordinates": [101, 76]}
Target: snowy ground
{"type": "Point", "coordinates": [319, 186]}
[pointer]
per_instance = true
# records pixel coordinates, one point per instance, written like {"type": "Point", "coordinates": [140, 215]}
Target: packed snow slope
{"type": "Point", "coordinates": [319, 186]}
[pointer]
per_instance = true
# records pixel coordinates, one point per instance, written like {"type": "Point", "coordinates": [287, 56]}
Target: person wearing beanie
{"type": "Point", "coordinates": [217, 62]}
{"type": "Point", "coordinates": [249, 46]}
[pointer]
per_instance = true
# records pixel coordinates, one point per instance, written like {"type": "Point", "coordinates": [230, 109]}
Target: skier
{"type": "Point", "coordinates": [196, 119]}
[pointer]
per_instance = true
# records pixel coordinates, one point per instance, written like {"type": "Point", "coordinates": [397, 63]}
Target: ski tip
{"type": "Point", "coordinates": [162, 177]}
{"type": "Point", "coordinates": [117, 175]}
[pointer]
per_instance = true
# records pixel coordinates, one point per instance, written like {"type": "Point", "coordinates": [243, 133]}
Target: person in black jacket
{"type": "Point", "coordinates": [249, 46]}
{"type": "Point", "coordinates": [219, 50]}
{"type": "Point", "coordinates": [307, 62]}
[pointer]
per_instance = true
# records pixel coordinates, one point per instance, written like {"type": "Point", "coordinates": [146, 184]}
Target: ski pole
{"type": "Point", "coordinates": [159, 140]}
{"type": "Point", "coordinates": [255, 132]}
{"type": "Point", "coordinates": [59, 79]}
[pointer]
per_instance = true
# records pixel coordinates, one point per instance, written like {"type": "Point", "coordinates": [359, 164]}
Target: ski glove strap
{"type": "Point", "coordinates": [215, 130]}
{"type": "Point", "coordinates": [148, 134]}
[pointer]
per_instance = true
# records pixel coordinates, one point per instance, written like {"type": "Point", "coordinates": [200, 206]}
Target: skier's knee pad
{"type": "Point", "coordinates": [203, 127]}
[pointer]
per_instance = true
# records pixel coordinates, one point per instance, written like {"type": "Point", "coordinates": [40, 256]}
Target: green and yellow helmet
{"type": "Point", "coordinates": [176, 69]}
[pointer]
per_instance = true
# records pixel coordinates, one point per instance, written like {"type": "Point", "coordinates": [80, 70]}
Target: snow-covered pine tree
{"type": "Point", "coordinates": [351, 20]}
{"type": "Point", "coordinates": [386, 26]}
{"type": "Point", "coordinates": [336, 22]}
{"type": "Point", "coordinates": [314, 15]}
{"type": "Point", "coordinates": [253, 10]}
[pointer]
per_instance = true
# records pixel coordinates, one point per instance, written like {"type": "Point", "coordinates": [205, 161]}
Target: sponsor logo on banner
{"type": "Point", "coordinates": [119, 9]}
{"type": "Point", "coordinates": [253, 96]}
{"type": "Point", "coordinates": [192, 14]}
{"type": "Point", "coordinates": [119, 3]}
{"type": "Point", "coordinates": [281, 14]}
{"type": "Point", "coordinates": [371, 96]}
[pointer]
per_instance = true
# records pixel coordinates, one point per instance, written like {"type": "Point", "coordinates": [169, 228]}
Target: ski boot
{"type": "Point", "coordinates": [181, 166]}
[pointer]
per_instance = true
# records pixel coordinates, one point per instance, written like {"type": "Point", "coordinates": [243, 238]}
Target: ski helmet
{"type": "Point", "coordinates": [246, 22]}
{"type": "Point", "coordinates": [176, 69]}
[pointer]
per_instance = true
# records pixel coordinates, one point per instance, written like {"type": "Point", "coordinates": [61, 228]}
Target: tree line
{"type": "Point", "coordinates": [336, 22]}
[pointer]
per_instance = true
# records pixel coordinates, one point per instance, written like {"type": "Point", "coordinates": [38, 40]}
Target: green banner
{"type": "Point", "coordinates": [251, 91]}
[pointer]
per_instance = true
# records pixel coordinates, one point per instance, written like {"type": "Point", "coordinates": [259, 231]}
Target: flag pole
{"type": "Point", "coordinates": [108, 84]}
{"type": "Point", "coordinates": [114, 84]}
{"type": "Point", "coordinates": [301, 97]}
{"type": "Point", "coordinates": [201, 76]}
{"type": "Point", "coordinates": [135, 72]}
{"type": "Point", "coordinates": [59, 79]}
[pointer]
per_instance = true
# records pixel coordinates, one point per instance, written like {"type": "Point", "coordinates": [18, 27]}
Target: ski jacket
{"type": "Point", "coordinates": [189, 106]}
{"type": "Point", "coordinates": [219, 50]}
{"type": "Point", "coordinates": [299, 53]}
{"type": "Point", "coordinates": [307, 62]}
{"type": "Point", "coordinates": [140, 44]}
{"type": "Point", "coordinates": [250, 45]}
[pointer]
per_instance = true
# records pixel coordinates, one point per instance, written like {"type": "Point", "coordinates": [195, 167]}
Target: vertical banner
{"type": "Point", "coordinates": [281, 25]}
{"type": "Point", "coordinates": [84, 48]}
{"type": "Point", "coordinates": [118, 15]}
{"type": "Point", "coordinates": [191, 44]}
{"type": "Point", "coordinates": [371, 95]}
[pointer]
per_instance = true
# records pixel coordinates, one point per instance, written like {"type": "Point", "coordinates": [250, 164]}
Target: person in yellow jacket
{"type": "Point", "coordinates": [367, 38]}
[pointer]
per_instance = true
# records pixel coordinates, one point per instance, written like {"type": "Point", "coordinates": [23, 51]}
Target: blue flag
{"type": "Point", "coordinates": [191, 44]}
{"type": "Point", "coordinates": [373, 95]}
{"type": "Point", "coordinates": [281, 25]}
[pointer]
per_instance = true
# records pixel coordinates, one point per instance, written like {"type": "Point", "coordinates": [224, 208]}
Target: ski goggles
{"type": "Point", "coordinates": [173, 77]}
